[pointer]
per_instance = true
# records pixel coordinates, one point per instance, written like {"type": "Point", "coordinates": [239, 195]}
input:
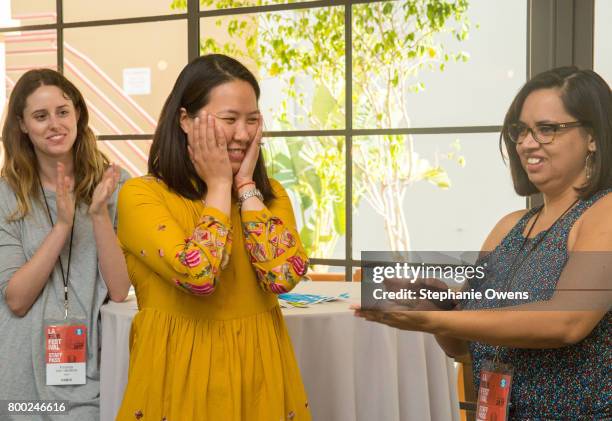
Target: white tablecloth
{"type": "Point", "coordinates": [352, 369]}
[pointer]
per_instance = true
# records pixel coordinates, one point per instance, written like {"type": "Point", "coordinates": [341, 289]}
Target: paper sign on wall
{"type": "Point", "coordinates": [137, 81]}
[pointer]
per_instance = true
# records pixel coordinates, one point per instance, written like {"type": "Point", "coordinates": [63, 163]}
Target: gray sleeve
{"type": "Point", "coordinates": [112, 211]}
{"type": "Point", "coordinates": [12, 256]}
{"type": "Point", "coordinates": [125, 176]}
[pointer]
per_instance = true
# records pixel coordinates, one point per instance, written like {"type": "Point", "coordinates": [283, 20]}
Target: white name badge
{"type": "Point", "coordinates": [66, 354]}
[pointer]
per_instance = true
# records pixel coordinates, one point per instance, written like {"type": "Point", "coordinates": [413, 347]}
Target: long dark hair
{"type": "Point", "coordinates": [587, 98]}
{"type": "Point", "coordinates": [169, 158]}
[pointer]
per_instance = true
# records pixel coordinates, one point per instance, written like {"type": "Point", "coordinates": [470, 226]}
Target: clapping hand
{"type": "Point", "coordinates": [104, 190]}
{"type": "Point", "coordinates": [65, 203]}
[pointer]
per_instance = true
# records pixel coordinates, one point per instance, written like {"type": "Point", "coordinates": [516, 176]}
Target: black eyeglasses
{"type": "Point", "coordinates": [542, 133]}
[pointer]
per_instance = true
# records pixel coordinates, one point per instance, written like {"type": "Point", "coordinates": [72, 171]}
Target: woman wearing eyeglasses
{"type": "Point", "coordinates": [551, 351]}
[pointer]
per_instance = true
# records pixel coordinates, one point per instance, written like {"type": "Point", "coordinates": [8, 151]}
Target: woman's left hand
{"type": "Point", "coordinates": [398, 318]}
{"type": "Point", "coordinates": [104, 190]}
{"type": "Point", "coordinates": [247, 167]}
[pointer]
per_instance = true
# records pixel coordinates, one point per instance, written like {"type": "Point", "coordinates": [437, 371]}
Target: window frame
{"type": "Point", "coordinates": [559, 32]}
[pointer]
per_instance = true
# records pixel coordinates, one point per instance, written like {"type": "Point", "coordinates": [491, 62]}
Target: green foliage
{"type": "Point", "coordinates": [314, 171]}
{"type": "Point", "coordinates": [392, 42]}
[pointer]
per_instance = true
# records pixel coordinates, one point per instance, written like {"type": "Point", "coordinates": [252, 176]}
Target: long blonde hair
{"type": "Point", "coordinates": [20, 169]}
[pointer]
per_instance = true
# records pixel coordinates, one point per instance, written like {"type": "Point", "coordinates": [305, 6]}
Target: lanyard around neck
{"type": "Point", "coordinates": [65, 277]}
{"type": "Point", "coordinates": [536, 244]}
{"type": "Point", "coordinates": [514, 267]}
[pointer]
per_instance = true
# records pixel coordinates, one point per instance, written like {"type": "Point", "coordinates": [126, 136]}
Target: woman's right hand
{"type": "Point", "coordinates": [207, 148]}
{"type": "Point", "coordinates": [64, 193]}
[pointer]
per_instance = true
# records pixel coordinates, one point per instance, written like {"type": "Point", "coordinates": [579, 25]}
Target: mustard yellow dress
{"type": "Point", "coordinates": [209, 341]}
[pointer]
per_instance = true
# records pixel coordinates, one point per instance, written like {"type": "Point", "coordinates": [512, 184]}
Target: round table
{"type": "Point", "coordinates": [352, 369]}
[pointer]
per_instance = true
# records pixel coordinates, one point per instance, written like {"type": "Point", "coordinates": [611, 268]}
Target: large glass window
{"type": "Point", "coordinates": [130, 154]}
{"type": "Point", "coordinates": [382, 117]}
{"type": "Point", "coordinates": [425, 192]}
{"type": "Point", "coordinates": [313, 172]}
{"type": "Point", "coordinates": [410, 70]}
{"type": "Point", "coordinates": [21, 51]}
{"type": "Point", "coordinates": [227, 4]}
{"type": "Point", "coordinates": [298, 56]}
{"type": "Point", "coordinates": [88, 10]}
{"type": "Point", "coordinates": [125, 87]}
{"type": "Point", "coordinates": [26, 13]}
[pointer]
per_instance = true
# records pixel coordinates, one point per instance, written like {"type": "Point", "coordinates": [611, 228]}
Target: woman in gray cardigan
{"type": "Point", "coordinates": [59, 255]}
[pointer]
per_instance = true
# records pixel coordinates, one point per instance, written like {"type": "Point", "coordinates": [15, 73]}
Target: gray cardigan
{"type": "Point", "coordinates": [22, 348]}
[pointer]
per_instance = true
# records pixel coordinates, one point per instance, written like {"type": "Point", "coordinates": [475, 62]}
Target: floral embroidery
{"type": "Point", "coordinates": [202, 236]}
{"type": "Point", "coordinates": [258, 252]}
{"type": "Point", "coordinates": [138, 414]}
{"type": "Point", "coordinates": [273, 223]}
{"type": "Point", "coordinates": [291, 415]}
{"type": "Point", "coordinates": [277, 288]}
{"type": "Point", "coordinates": [210, 222]}
{"type": "Point", "coordinates": [205, 289]}
{"type": "Point", "coordinates": [255, 228]}
{"type": "Point", "coordinates": [270, 241]}
{"type": "Point", "coordinates": [205, 252]}
{"type": "Point", "coordinates": [206, 272]}
{"type": "Point", "coordinates": [190, 258]}
{"type": "Point", "coordinates": [287, 239]}
{"type": "Point", "coordinates": [143, 253]}
{"type": "Point", "coordinates": [161, 227]}
{"type": "Point", "coordinates": [287, 274]}
{"type": "Point", "coordinates": [298, 264]}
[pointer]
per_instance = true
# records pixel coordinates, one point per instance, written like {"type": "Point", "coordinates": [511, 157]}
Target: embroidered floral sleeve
{"type": "Point", "coordinates": [274, 245]}
{"type": "Point", "coordinates": [203, 255]}
{"type": "Point", "coordinates": [189, 257]}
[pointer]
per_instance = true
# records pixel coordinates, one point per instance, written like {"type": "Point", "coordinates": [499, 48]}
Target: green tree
{"type": "Point", "coordinates": [312, 169]}
{"type": "Point", "coordinates": [392, 43]}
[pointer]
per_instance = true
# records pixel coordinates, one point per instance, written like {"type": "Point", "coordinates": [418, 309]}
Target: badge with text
{"type": "Point", "coordinates": [494, 392]}
{"type": "Point", "coordinates": [66, 354]}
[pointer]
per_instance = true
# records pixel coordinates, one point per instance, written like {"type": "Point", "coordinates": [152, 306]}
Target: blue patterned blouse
{"type": "Point", "coordinates": [568, 383]}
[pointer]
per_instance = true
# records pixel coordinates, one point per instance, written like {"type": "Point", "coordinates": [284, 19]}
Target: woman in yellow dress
{"type": "Point", "coordinates": [209, 241]}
